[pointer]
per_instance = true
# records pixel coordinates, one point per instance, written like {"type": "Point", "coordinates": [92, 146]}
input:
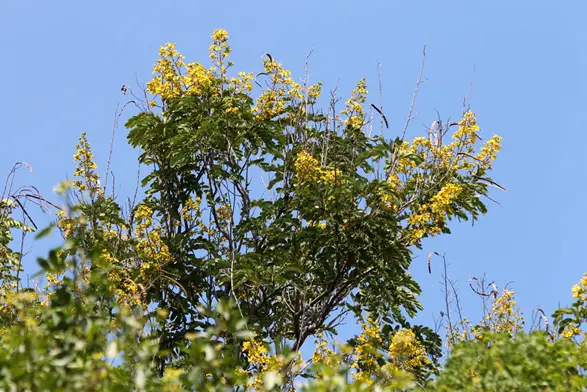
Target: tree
{"type": "Point", "coordinates": [297, 216]}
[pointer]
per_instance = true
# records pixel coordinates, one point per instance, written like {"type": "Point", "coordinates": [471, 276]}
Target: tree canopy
{"type": "Point", "coordinates": [270, 214]}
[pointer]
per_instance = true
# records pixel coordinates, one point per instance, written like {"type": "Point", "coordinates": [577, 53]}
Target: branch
{"type": "Point", "coordinates": [420, 81]}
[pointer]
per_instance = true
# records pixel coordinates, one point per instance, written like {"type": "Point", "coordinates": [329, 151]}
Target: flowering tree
{"type": "Point", "coordinates": [295, 215]}
{"type": "Point", "coordinates": [329, 232]}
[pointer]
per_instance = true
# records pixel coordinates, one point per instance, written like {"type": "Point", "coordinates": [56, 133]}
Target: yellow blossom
{"type": "Point", "coordinates": [354, 112]}
{"type": "Point", "coordinates": [571, 331]}
{"type": "Point", "coordinates": [407, 352]}
{"type": "Point", "coordinates": [282, 90]}
{"type": "Point", "coordinates": [90, 180]}
{"type": "Point", "coordinates": [168, 80]}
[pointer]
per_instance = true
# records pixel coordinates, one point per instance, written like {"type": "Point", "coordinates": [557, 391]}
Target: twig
{"type": "Point", "coordinates": [466, 99]}
{"type": "Point", "coordinates": [457, 301]}
{"type": "Point", "coordinates": [134, 198]}
{"type": "Point", "coordinates": [117, 115]}
{"type": "Point", "coordinates": [380, 111]}
{"type": "Point", "coordinates": [10, 178]}
{"type": "Point", "coordinates": [446, 298]}
{"type": "Point", "coordinates": [114, 128]}
{"type": "Point", "coordinates": [420, 81]}
{"type": "Point", "coordinates": [381, 100]}
{"type": "Point", "coordinates": [22, 237]}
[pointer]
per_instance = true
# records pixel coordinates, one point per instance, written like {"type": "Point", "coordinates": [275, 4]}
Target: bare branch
{"type": "Point", "coordinates": [416, 90]}
{"type": "Point", "coordinates": [466, 99]}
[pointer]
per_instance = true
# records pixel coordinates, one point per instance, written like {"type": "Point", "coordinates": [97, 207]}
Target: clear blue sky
{"type": "Point", "coordinates": [64, 62]}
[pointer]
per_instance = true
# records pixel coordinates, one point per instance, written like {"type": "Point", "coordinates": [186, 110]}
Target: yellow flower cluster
{"type": "Point", "coordinates": [220, 225]}
{"type": "Point", "coordinates": [314, 92]}
{"type": "Point", "coordinates": [354, 112]}
{"type": "Point", "coordinates": [168, 81]}
{"type": "Point", "coordinates": [454, 156]}
{"type": "Point", "coordinates": [466, 135]}
{"type": "Point", "coordinates": [197, 78]}
{"type": "Point", "coordinates": [126, 290]}
{"type": "Point", "coordinates": [323, 354]}
{"type": "Point", "coordinates": [191, 209]}
{"type": "Point", "coordinates": [393, 185]}
{"type": "Point", "coordinates": [431, 217]}
{"type": "Point", "coordinates": [505, 317]}
{"type": "Point", "coordinates": [85, 168]}
{"type": "Point", "coordinates": [488, 152]}
{"type": "Point", "coordinates": [256, 352]}
{"type": "Point", "coordinates": [366, 352]}
{"type": "Point", "coordinates": [53, 279]}
{"type": "Point", "coordinates": [580, 289]}
{"type": "Point", "coordinates": [428, 158]}
{"type": "Point", "coordinates": [219, 51]}
{"type": "Point", "coordinates": [224, 213]}
{"type": "Point", "coordinates": [173, 77]}
{"type": "Point", "coordinates": [308, 170]}
{"type": "Point", "coordinates": [244, 82]}
{"type": "Point", "coordinates": [65, 223]}
{"type": "Point", "coordinates": [580, 295]}
{"type": "Point", "coordinates": [171, 381]}
{"type": "Point", "coordinates": [273, 101]}
{"type": "Point", "coordinates": [407, 352]}
{"type": "Point", "coordinates": [150, 247]}
{"type": "Point", "coordinates": [144, 217]}
{"type": "Point", "coordinates": [258, 356]}
{"type": "Point", "coordinates": [192, 214]}
{"type": "Point", "coordinates": [570, 331]}
{"type": "Point", "coordinates": [320, 225]}
{"type": "Point", "coordinates": [394, 182]}
{"type": "Point", "coordinates": [441, 203]}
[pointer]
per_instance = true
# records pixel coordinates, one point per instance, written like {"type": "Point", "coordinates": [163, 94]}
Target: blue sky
{"type": "Point", "coordinates": [64, 62]}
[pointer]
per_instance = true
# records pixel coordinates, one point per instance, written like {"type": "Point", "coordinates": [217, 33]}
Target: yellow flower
{"type": "Point", "coordinates": [322, 354]}
{"type": "Point", "coordinates": [441, 202]}
{"type": "Point", "coordinates": [489, 151]}
{"type": "Point", "coordinates": [355, 114]}
{"type": "Point", "coordinates": [580, 289]}
{"type": "Point", "coordinates": [571, 331]}
{"type": "Point", "coordinates": [256, 352]}
{"type": "Point", "coordinates": [244, 82]}
{"type": "Point", "coordinates": [407, 352]}
{"type": "Point", "coordinates": [467, 132]}
{"type": "Point", "coordinates": [506, 318]}
{"type": "Point", "coordinates": [168, 82]}
{"type": "Point", "coordinates": [283, 90]}
{"type": "Point", "coordinates": [307, 168]}
{"type": "Point", "coordinates": [366, 351]}
{"type": "Point", "coordinates": [219, 51]}
{"type": "Point", "coordinates": [220, 35]}
{"type": "Point", "coordinates": [90, 180]}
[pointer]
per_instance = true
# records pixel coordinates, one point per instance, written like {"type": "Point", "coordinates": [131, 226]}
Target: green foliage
{"type": "Point", "coordinates": [265, 222]}
{"type": "Point", "coordinates": [530, 362]}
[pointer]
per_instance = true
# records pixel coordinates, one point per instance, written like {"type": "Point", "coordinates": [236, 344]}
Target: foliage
{"type": "Point", "coordinates": [328, 234]}
{"type": "Point", "coordinates": [265, 222]}
{"type": "Point", "coordinates": [497, 355]}
{"type": "Point", "coordinates": [530, 362]}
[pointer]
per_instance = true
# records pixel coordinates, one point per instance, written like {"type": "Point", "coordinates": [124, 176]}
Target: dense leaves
{"type": "Point", "coordinates": [266, 221]}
